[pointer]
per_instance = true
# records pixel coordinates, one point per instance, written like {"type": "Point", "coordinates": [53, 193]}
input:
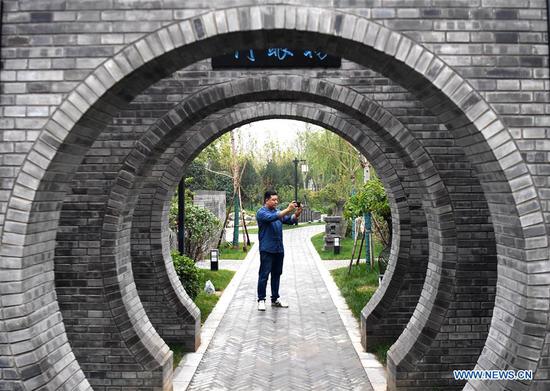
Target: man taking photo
{"type": "Point", "coordinates": [270, 233]}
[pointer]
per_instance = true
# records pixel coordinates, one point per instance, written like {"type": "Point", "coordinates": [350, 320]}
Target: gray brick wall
{"type": "Point", "coordinates": [471, 172]}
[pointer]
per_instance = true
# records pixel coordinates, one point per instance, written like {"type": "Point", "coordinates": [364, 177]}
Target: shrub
{"type": "Point", "coordinates": [188, 274]}
{"type": "Point", "coordinates": [201, 226]}
{"type": "Point", "coordinates": [201, 229]}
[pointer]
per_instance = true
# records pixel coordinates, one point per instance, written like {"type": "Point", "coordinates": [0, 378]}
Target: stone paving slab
{"type": "Point", "coordinates": [304, 347]}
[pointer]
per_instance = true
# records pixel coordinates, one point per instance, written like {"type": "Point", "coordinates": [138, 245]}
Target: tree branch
{"type": "Point", "coordinates": [217, 172]}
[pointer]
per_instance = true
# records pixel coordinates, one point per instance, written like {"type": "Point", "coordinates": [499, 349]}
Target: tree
{"type": "Point", "coordinates": [221, 166]}
{"type": "Point", "coordinates": [371, 197]}
{"type": "Point", "coordinates": [334, 165]}
{"type": "Point", "coordinates": [251, 184]}
{"type": "Point", "coordinates": [199, 176]}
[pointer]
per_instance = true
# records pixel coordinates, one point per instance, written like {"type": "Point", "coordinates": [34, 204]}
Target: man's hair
{"type": "Point", "coordinates": [268, 194]}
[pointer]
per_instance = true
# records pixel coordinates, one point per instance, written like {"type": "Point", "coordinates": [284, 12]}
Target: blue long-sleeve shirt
{"type": "Point", "coordinates": [270, 229]}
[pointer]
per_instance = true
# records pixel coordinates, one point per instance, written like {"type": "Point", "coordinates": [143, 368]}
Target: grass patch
{"type": "Point", "coordinates": [287, 227]}
{"type": "Point", "coordinates": [346, 248]}
{"type": "Point", "coordinates": [206, 303]}
{"type": "Point", "coordinates": [220, 279]}
{"type": "Point", "coordinates": [357, 288]}
{"type": "Point", "coordinates": [178, 352]}
{"type": "Point", "coordinates": [228, 252]}
{"type": "Point", "coordinates": [381, 352]}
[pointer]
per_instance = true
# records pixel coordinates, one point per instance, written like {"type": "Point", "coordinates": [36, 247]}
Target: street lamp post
{"type": "Point", "coordinates": [304, 170]}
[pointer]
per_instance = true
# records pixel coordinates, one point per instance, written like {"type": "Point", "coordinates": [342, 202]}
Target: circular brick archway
{"type": "Point", "coordinates": [151, 210]}
{"type": "Point", "coordinates": [29, 235]}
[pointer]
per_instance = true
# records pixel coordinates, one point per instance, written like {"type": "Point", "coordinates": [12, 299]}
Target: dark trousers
{"type": "Point", "coordinates": [270, 263]}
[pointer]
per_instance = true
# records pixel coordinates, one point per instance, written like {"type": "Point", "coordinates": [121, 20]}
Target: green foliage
{"type": "Point", "coordinates": [330, 158]}
{"type": "Point", "coordinates": [334, 194]}
{"type": "Point", "coordinates": [279, 172]}
{"type": "Point", "coordinates": [201, 226]}
{"type": "Point", "coordinates": [251, 185]}
{"type": "Point", "coordinates": [202, 179]}
{"type": "Point", "coordinates": [317, 200]}
{"type": "Point", "coordinates": [334, 166]}
{"type": "Point", "coordinates": [370, 198]}
{"type": "Point", "coordinates": [187, 273]}
{"type": "Point", "coordinates": [286, 195]}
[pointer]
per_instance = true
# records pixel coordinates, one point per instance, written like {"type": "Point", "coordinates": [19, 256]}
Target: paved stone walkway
{"type": "Point", "coordinates": [304, 347]}
{"type": "Point", "coordinates": [234, 264]}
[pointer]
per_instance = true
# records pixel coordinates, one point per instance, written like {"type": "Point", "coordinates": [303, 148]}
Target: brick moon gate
{"type": "Point", "coordinates": [151, 210]}
{"type": "Point", "coordinates": [39, 350]}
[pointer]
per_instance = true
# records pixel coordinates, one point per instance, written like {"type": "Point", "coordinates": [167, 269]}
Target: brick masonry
{"type": "Point", "coordinates": [453, 94]}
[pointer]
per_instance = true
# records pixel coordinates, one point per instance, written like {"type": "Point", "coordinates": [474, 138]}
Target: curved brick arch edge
{"type": "Point", "coordinates": [194, 139]}
{"type": "Point", "coordinates": [160, 53]}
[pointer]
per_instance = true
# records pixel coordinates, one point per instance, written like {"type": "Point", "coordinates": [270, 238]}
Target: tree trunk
{"type": "Point", "coordinates": [235, 174]}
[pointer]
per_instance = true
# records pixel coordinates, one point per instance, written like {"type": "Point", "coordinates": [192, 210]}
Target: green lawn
{"type": "Point", "coordinates": [220, 279]}
{"type": "Point", "coordinates": [178, 352]}
{"type": "Point", "coordinates": [205, 302]}
{"type": "Point", "coordinates": [381, 352]}
{"type": "Point", "coordinates": [357, 289]}
{"type": "Point", "coordinates": [346, 248]}
{"type": "Point", "coordinates": [228, 252]}
{"type": "Point", "coordinates": [286, 227]}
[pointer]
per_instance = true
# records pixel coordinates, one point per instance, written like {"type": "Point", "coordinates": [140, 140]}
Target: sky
{"type": "Point", "coordinates": [285, 132]}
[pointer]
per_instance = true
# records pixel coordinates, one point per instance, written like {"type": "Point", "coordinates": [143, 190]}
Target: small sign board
{"type": "Point", "coordinates": [276, 58]}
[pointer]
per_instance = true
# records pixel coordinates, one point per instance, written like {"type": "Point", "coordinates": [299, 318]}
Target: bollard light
{"type": "Point", "coordinates": [336, 245]}
{"type": "Point", "coordinates": [214, 256]}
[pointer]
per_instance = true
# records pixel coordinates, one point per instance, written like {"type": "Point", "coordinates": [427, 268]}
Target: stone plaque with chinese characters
{"type": "Point", "coordinates": [276, 58]}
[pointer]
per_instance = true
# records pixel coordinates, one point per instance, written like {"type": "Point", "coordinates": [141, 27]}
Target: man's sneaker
{"type": "Point", "coordinates": [279, 303]}
{"type": "Point", "coordinates": [261, 305]}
